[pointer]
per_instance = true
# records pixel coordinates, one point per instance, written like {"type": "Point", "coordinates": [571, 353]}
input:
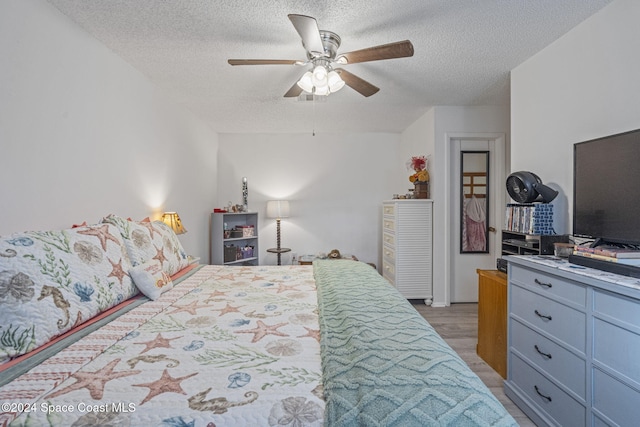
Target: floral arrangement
{"type": "Point", "coordinates": [418, 164]}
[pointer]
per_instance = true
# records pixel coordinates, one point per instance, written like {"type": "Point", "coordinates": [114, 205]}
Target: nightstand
{"type": "Point", "coordinates": [279, 252]}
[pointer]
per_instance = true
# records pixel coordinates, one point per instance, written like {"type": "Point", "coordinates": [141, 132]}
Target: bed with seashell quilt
{"type": "Point", "coordinates": [325, 344]}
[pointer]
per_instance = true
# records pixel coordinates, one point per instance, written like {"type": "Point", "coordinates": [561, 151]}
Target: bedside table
{"type": "Point", "coordinates": [279, 252]}
{"type": "Point", "coordinates": [308, 259]}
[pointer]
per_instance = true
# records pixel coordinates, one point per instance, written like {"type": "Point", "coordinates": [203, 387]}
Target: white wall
{"type": "Point", "coordinates": [583, 86]}
{"type": "Point", "coordinates": [430, 133]}
{"type": "Point", "coordinates": [83, 134]}
{"type": "Point", "coordinates": [335, 182]}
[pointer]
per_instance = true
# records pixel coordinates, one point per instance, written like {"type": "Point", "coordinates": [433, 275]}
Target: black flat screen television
{"type": "Point", "coordinates": [606, 188]}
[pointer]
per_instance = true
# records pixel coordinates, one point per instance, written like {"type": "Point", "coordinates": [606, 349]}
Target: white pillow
{"type": "Point", "coordinates": [151, 279]}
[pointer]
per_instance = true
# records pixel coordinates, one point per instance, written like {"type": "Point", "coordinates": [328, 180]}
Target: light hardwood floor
{"type": "Point", "coordinates": [458, 325]}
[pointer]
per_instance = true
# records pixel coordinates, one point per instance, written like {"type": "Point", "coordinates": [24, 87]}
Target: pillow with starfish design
{"type": "Point", "coordinates": [52, 280]}
{"type": "Point", "coordinates": [151, 279]}
{"type": "Point", "coordinates": [147, 240]}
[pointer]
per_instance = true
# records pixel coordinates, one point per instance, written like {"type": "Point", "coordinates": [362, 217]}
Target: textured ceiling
{"type": "Point", "coordinates": [464, 50]}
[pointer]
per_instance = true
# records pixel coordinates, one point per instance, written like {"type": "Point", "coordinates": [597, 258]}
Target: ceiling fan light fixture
{"type": "Point", "coordinates": [334, 81]}
{"type": "Point", "coordinates": [319, 77]}
{"type": "Point", "coordinates": [305, 82]}
{"type": "Point", "coordinates": [321, 90]}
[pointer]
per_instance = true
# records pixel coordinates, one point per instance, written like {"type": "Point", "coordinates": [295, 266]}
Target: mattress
{"type": "Point", "coordinates": [329, 344]}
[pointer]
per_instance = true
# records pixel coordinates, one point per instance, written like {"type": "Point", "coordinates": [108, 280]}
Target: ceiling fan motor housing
{"type": "Point", "coordinates": [331, 42]}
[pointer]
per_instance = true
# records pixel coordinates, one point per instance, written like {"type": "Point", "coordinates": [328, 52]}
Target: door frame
{"type": "Point", "coordinates": [453, 155]}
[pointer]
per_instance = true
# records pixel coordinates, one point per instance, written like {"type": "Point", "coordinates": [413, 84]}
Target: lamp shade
{"type": "Point", "coordinates": [172, 219]}
{"type": "Point", "coordinates": [277, 209]}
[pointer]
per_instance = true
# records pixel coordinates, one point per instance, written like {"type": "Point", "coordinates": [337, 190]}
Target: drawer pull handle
{"type": "Point", "coordinates": [548, 398]}
{"type": "Point", "coordinates": [542, 316]}
{"type": "Point", "coordinates": [546, 285]}
{"type": "Point", "coordinates": [547, 355]}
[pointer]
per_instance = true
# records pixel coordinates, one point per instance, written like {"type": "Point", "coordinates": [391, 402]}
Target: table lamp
{"type": "Point", "coordinates": [172, 219]}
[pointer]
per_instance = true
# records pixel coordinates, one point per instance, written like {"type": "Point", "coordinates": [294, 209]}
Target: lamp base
{"type": "Point", "coordinates": [278, 250]}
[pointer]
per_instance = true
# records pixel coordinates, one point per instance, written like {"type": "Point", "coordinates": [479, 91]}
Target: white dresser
{"type": "Point", "coordinates": [407, 247]}
{"type": "Point", "coordinates": [573, 343]}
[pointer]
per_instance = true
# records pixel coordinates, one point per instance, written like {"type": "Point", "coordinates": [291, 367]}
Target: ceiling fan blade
{"type": "Point", "coordinates": [356, 83]}
{"type": "Point", "coordinates": [401, 49]}
{"type": "Point", "coordinates": [263, 61]}
{"type": "Point", "coordinates": [307, 27]}
{"type": "Point", "coordinates": [294, 92]}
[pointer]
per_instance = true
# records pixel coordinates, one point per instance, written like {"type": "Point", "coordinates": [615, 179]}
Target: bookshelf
{"type": "Point", "coordinates": [528, 230]}
{"type": "Point", "coordinates": [224, 249]}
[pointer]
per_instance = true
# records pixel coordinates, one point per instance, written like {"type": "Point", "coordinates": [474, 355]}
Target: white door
{"type": "Point", "coordinates": [467, 258]}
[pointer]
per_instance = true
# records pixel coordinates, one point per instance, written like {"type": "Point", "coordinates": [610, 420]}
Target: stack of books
{"type": "Point", "coordinates": [625, 256]}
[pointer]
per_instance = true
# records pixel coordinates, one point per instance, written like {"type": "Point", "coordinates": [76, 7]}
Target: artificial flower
{"type": "Point", "coordinates": [419, 165]}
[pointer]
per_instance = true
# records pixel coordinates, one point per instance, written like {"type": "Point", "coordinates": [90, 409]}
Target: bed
{"type": "Point", "coordinates": [326, 344]}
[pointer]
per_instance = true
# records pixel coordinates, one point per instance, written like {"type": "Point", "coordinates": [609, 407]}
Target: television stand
{"type": "Point", "coordinates": [611, 267]}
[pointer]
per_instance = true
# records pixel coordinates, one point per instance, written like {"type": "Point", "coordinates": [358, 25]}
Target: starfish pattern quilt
{"type": "Point", "coordinates": [228, 346]}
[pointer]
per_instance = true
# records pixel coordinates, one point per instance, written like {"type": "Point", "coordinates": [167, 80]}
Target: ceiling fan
{"type": "Point", "coordinates": [322, 47]}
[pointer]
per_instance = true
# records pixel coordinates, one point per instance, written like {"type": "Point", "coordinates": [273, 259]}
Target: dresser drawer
{"type": "Point", "coordinates": [388, 268]}
{"type": "Point", "coordinates": [618, 307]}
{"type": "Point", "coordinates": [556, 361]}
{"type": "Point", "coordinates": [388, 225]}
{"type": "Point", "coordinates": [615, 400]}
{"type": "Point", "coordinates": [560, 321]}
{"type": "Point", "coordinates": [550, 285]}
{"type": "Point", "coordinates": [388, 253]}
{"type": "Point", "coordinates": [607, 348]}
{"type": "Point", "coordinates": [389, 239]}
{"type": "Point", "coordinates": [388, 210]}
{"type": "Point", "coordinates": [549, 398]}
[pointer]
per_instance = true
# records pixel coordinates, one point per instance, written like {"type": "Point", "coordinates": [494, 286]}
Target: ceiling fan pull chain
{"type": "Point", "coordinates": [313, 100]}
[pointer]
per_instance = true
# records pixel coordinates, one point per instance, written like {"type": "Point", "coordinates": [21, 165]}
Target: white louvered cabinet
{"type": "Point", "coordinates": [407, 247]}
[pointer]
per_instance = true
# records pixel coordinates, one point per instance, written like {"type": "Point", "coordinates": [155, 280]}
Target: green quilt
{"type": "Point", "coordinates": [384, 365]}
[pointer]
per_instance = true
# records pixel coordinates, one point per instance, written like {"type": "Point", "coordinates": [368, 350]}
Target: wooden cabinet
{"type": "Point", "coordinates": [492, 319]}
{"type": "Point", "coordinates": [407, 247]}
{"type": "Point", "coordinates": [573, 340]}
{"type": "Point", "coordinates": [234, 248]}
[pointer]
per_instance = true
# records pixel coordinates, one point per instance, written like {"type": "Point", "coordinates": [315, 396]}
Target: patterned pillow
{"type": "Point", "coordinates": [67, 276]}
{"type": "Point", "coordinates": [148, 240]}
{"type": "Point", "coordinates": [151, 279]}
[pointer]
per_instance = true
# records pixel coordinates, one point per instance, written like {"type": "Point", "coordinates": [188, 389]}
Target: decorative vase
{"type": "Point", "coordinates": [421, 190]}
